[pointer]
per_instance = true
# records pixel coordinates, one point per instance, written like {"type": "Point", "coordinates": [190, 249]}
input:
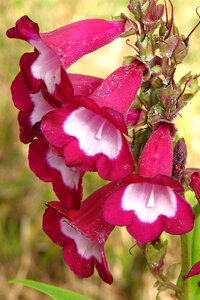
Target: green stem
{"type": "Point", "coordinates": [186, 244]}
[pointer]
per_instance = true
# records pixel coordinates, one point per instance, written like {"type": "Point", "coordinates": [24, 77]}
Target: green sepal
{"type": "Point", "coordinates": [168, 46]}
{"type": "Point", "coordinates": [146, 48]}
{"type": "Point", "coordinates": [155, 114]}
{"type": "Point", "coordinates": [155, 252]}
{"type": "Point", "coordinates": [167, 93]}
{"type": "Point", "coordinates": [180, 52]}
{"type": "Point", "coordinates": [135, 8]}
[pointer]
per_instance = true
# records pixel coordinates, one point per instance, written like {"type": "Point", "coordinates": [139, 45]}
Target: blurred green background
{"type": "Point", "coordinates": [25, 251]}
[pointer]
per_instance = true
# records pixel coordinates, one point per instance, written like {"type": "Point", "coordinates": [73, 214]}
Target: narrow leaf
{"type": "Point", "coordinates": [51, 291]}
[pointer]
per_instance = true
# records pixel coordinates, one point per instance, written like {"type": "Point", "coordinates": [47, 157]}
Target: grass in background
{"type": "Point", "coordinates": [26, 252]}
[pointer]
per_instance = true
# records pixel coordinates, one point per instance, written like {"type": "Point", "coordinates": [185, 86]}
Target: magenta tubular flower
{"type": "Point", "coordinates": [49, 167]}
{"type": "Point", "coordinates": [91, 131]}
{"type": "Point", "coordinates": [61, 47]}
{"type": "Point", "coordinates": [34, 106]}
{"type": "Point", "coordinates": [82, 234]}
{"type": "Point", "coordinates": [148, 203]}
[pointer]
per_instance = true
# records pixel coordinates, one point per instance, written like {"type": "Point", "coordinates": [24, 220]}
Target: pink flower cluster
{"type": "Point", "coordinates": [79, 123]}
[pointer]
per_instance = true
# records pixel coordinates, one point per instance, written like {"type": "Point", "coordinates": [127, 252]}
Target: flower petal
{"type": "Point", "coordinates": [123, 83]}
{"type": "Point", "coordinates": [91, 142]}
{"type": "Point", "coordinates": [157, 155]}
{"type": "Point", "coordinates": [84, 84]}
{"type": "Point", "coordinates": [63, 46]}
{"type": "Point", "coordinates": [183, 221]}
{"type": "Point", "coordinates": [195, 184]}
{"type": "Point", "coordinates": [27, 134]}
{"type": "Point", "coordinates": [113, 212]}
{"type": "Point", "coordinates": [73, 41]}
{"type": "Point", "coordinates": [94, 133]}
{"type": "Point", "coordinates": [20, 94]}
{"type": "Point", "coordinates": [195, 270]}
{"type": "Point", "coordinates": [145, 232]}
{"type": "Point", "coordinates": [80, 252]}
{"type": "Point", "coordinates": [67, 182]}
{"type": "Point", "coordinates": [26, 62]}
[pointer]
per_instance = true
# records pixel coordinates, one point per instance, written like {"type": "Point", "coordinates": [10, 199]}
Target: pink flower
{"type": "Point", "coordinates": [82, 234]}
{"type": "Point", "coordinates": [34, 106]}
{"type": "Point", "coordinates": [90, 129]}
{"type": "Point", "coordinates": [148, 203]}
{"type": "Point", "coordinates": [49, 167]}
{"type": "Point", "coordinates": [135, 117]}
{"type": "Point", "coordinates": [195, 270]}
{"type": "Point", "coordinates": [61, 47]}
{"type": "Point", "coordinates": [195, 184]}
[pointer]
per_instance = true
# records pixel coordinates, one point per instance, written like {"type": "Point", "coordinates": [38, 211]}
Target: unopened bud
{"type": "Point", "coordinates": [179, 161]}
{"type": "Point", "coordinates": [180, 52]}
{"type": "Point", "coordinates": [155, 253]}
{"type": "Point", "coordinates": [155, 114]}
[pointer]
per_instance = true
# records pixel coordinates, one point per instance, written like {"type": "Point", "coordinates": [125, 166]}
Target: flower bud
{"type": "Point", "coordinates": [155, 114]}
{"type": "Point", "coordinates": [155, 253]}
{"type": "Point", "coordinates": [179, 160]}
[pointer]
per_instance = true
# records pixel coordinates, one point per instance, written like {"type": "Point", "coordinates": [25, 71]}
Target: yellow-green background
{"type": "Point", "coordinates": [25, 251]}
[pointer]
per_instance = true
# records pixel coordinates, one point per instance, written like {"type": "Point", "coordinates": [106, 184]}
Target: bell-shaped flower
{"type": "Point", "coordinates": [34, 106]}
{"type": "Point", "coordinates": [90, 130]}
{"type": "Point", "coordinates": [82, 234]}
{"type": "Point", "coordinates": [61, 47]}
{"type": "Point", "coordinates": [49, 167]}
{"type": "Point", "coordinates": [148, 203]}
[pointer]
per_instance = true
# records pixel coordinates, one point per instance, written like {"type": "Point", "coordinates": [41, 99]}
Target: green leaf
{"type": "Point", "coordinates": [51, 291]}
{"type": "Point", "coordinates": [191, 243]}
{"type": "Point", "coordinates": [195, 249]}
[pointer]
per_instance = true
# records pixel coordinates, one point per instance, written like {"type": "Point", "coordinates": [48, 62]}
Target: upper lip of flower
{"type": "Point", "coordinates": [64, 46]}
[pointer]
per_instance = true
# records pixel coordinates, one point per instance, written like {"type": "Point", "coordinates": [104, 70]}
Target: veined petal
{"type": "Point", "coordinates": [67, 182]}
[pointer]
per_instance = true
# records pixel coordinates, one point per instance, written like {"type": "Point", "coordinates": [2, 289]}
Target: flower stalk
{"type": "Point", "coordinates": [121, 127]}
